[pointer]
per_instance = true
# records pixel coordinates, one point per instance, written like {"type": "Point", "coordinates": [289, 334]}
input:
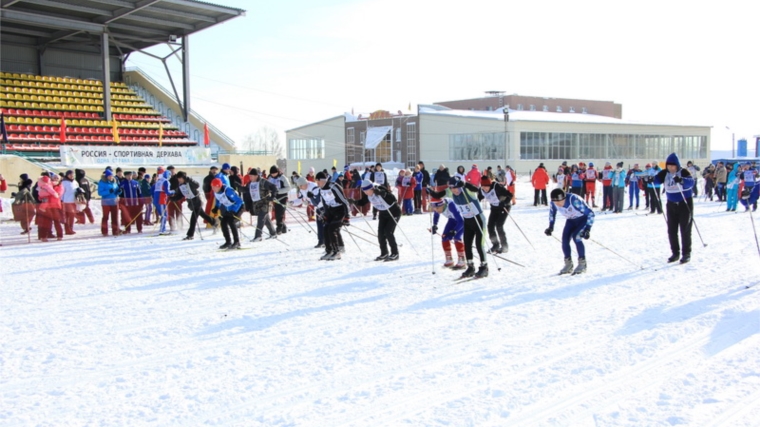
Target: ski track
{"type": "Point", "coordinates": [178, 333]}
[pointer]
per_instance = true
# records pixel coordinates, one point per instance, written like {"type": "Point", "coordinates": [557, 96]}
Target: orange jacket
{"type": "Point", "coordinates": [540, 179]}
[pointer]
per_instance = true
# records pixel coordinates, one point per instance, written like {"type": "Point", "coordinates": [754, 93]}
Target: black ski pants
{"type": "Point", "coordinates": [679, 219]}
{"type": "Point", "coordinates": [473, 232]}
{"type": "Point", "coordinates": [496, 220]}
{"type": "Point", "coordinates": [655, 204]}
{"type": "Point", "coordinates": [386, 226]}
{"type": "Point", "coordinates": [197, 208]}
{"type": "Point", "coordinates": [333, 222]}
{"type": "Point", "coordinates": [229, 227]}
{"type": "Point", "coordinates": [279, 212]}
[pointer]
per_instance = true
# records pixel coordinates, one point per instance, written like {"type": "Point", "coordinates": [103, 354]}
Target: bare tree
{"type": "Point", "coordinates": [264, 139]}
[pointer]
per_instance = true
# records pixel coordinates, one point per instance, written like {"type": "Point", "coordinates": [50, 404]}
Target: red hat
{"type": "Point", "coordinates": [435, 202]}
{"type": "Point", "coordinates": [160, 170]}
{"type": "Point", "coordinates": [648, 165]}
{"type": "Point", "coordinates": [485, 181]}
{"type": "Point", "coordinates": [216, 182]}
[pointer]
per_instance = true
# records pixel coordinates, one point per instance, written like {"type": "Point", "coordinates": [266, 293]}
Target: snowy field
{"type": "Point", "coordinates": [140, 331]}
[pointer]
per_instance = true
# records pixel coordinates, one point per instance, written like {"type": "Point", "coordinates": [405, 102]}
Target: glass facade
{"type": "Point", "coordinates": [569, 146]}
{"type": "Point", "coordinates": [477, 146]}
{"type": "Point", "coordinates": [411, 144]}
{"type": "Point", "coordinates": [308, 148]}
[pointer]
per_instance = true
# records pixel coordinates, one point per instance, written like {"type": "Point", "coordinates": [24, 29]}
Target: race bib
{"type": "Point", "coordinates": [491, 197]}
{"type": "Point", "coordinates": [328, 198]}
{"type": "Point", "coordinates": [186, 191]}
{"type": "Point", "coordinates": [253, 188]}
{"type": "Point", "coordinates": [468, 211]}
{"type": "Point", "coordinates": [222, 198]}
{"type": "Point", "coordinates": [378, 202]}
{"type": "Point", "coordinates": [379, 178]}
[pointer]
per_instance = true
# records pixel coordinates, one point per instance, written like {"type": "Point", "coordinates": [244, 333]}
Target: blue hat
{"type": "Point", "coordinates": [108, 173]}
{"type": "Point", "coordinates": [367, 184]}
{"type": "Point", "coordinates": [456, 182]}
{"type": "Point", "coordinates": [590, 164]}
{"type": "Point", "coordinates": [225, 166]}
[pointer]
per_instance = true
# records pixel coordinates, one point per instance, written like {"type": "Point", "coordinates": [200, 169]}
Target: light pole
{"type": "Point", "coordinates": [506, 134]}
{"type": "Point", "coordinates": [733, 147]}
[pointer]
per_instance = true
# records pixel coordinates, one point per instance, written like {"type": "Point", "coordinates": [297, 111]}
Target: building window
{"type": "Point", "coordinates": [398, 134]}
{"type": "Point", "coordinates": [546, 108]}
{"type": "Point", "coordinates": [477, 146]}
{"type": "Point", "coordinates": [519, 107]}
{"type": "Point", "coordinates": [532, 107]}
{"type": "Point", "coordinates": [411, 144]}
{"type": "Point", "coordinates": [572, 109]}
{"type": "Point", "coordinates": [589, 146]}
{"type": "Point", "coordinates": [584, 110]}
{"type": "Point", "coordinates": [307, 148]}
{"type": "Point", "coordinates": [559, 109]}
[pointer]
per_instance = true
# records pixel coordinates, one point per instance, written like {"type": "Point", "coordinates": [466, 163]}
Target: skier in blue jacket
{"type": "Point", "coordinates": [679, 184]}
{"type": "Point", "coordinates": [732, 187]}
{"type": "Point", "coordinates": [228, 205]}
{"type": "Point", "coordinates": [751, 191]}
{"type": "Point", "coordinates": [580, 218]}
{"type": "Point", "coordinates": [453, 230]}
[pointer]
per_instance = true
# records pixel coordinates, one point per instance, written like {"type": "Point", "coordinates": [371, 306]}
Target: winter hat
{"type": "Point", "coordinates": [436, 202]}
{"type": "Point", "coordinates": [69, 172]}
{"type": "Point", "coordinates": [146, 177]}
{"type": "Point", "coordinates": [234, 169]}
{"type": "Point", "coordinates": [55, 177]}
{"type": "Point", "coordinates": [648, 166]}
{"type": "Point", "coordinates": [24, 177]}
{"type": "Point", "coordinates": [673, 160]}
{"type": "Point", "coordinates": [474, 166]}
{"type": "Point", "coordinates": [456, 182]}
{"type": "Point", "coordinates": [181, 174]}
{"type": "Point", "coordinates": [557, 195]}
{"type": "Point", "coordinates": [635, 165]}
{"type": "Point", "coordinates": [170, 168]}
{"type": "Point", "coordinates": [591, 164]}
{"type": "Point", "coordinates": [320, 175]}
{"type": "Point", "coordinates": [160, 170]}
{"type": "Point", "coordinates": [367, 185]}
{"type": "Point", "coordinates": [540, 165]}
{"type": "Point", "coordinates": [213, 168]}
{"type": "Point", "coordinates": [620, 164]}
{"type": "Point", "coordinates": [125, 173]}
{"type": "Point", "coordinates": [607, 164]}
{"type": "Point", "coordinates": [225, 166]}
{"type": "Point", "coordinates": [118, 170]}
{"type": "Point", "coordinates": [167, 174]}
{"type": "Point", "coordinates": [301, 181]}
{"type": "Point", "coordinates": [311, 170]}
{"type": "Point", "coordinates": [486, 181]}
{"type": "Point", "coordinates": [216, 182]}
{"type": "Point", "coordinates": [108, 173]}
{"type": "Point", "coordinates": [273, 169]}
{"type": "Point", "coordinates": [253, 171]}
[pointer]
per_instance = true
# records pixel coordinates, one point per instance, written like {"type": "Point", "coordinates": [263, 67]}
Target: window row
{"type": "Point", "coordinates": [569, 146]}
{"type": "Point", "coordinates": [477, 146]}
{"type": "Point", "coordinates": [303, 149]}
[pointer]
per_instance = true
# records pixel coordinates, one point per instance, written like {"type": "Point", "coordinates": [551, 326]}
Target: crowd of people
{"type": "Point", "coordinates": [57, 202]}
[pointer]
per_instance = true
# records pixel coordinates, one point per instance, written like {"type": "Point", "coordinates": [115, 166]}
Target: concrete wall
{"type": "Point", "coordinates": [332, 131]}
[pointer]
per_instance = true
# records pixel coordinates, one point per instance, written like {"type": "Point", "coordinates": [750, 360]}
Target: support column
{"type": "Point", "coordinates": [186, 77]}
{"type": "Point", "coordinates": [106, 77]}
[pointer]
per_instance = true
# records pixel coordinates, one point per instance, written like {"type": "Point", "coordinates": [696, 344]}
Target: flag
{"type": "Point", "coordinates": [3, 130]}
{"type": "Point", "coordinates": [299, 167]}
{"type": "Point", "coordinates": [160, 134]}
{"type": "Point", "coordinates": [410, 107]}
{"type": "Point", "coordinates": [62, 136]}
{"type": "Point", "coordinates": [335, 163]}
{"type": "Point", "coordinates": [206, 139]}
{"type": "Point", "coordinates": [115, 131]}
{"type": "Point", "coordinates": [352, 111]}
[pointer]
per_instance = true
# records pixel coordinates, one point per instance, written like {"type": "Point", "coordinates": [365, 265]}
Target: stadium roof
{"type": "Point", "coordinates": [130, 24]}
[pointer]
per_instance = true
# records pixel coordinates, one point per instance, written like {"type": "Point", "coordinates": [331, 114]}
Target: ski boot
{"type": "Point", "coordinates": [235, 245]}
{"type": "Point", "coordinates": [225, 246]}
{"type": "Point", "coordinates": [460, 264]}
{"type": "Point", "coordinates": [568, 268]}
{"type": "Point", "coordinates": [449, 262]}
{"type": "Point", "coordinates": [470, 272]}
{"type": "Point", "coordinates": [326, 256]}
{"type": "Point", "coordinates": [581, 268]}
{"type": "Point", "coordinates": [686, 258]}
{"type": "Point", "coordinates": [188, 238]}
{"type": "Point", "coordinates": [673, 258]}
{"type": "Point", "coordinates": [256, 239]}
{"type": "Point", "coordinates": [482, 271]}
{"type": "Point", "coordinates": [392, 257]}
{"type": "Point", "coordinates": [334, 257]}
{"type": "Point", "coordinates": [382, 257]}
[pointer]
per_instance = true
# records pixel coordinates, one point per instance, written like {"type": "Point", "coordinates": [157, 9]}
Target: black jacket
{"type": "Point", "coordinates": [504, 195]}
{"type": "Point", "coordinates": [425, 177]}
{"type": "Point", "coordinates": [267, 191]}
{"type": "Point", "coordinates": [442, 177]}
{"type": "Point", "coordinates": [207, 182]}
{"type": "Point", "coordinates": [83, 182]}
{"type": "Point", "coordinates": [388, 197]}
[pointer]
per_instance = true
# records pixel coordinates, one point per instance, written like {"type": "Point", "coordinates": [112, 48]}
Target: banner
{"type": "Point", "coordinates": [90, 155]}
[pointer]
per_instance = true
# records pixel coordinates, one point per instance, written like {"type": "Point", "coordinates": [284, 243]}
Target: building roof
{"type": "Point", "coordinates": [130, 24]}
{"type": "Point", "coordinates": [540, 116]}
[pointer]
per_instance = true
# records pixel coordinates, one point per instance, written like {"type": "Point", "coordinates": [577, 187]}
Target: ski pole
{"type": "Point", "coordinates": [361, 238]}
{"type": "Point", "coordinates": [624, 258]}
{"type": "Point", "coordinates": [691, 215]}
{"type": "Point", "coordinates": [508, 260]}
{"type": "Point", "coordinates": [754, 230]}
{"type": "Point", "coordinates": [197, 228]}
{"type": "Point", "coordinates": [299, 221]}
{"type": "Point", "coordinates": [364, 218]}
{"type": "Point", "coordinates": [402, 231]}
{"type": "Point", "coordinates": [483, 234]}
{"type": "Point", "coordinates": [518, 227]}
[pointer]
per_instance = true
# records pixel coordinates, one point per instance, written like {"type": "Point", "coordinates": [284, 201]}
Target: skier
{"type": "Point", "coordinates": [228, 204]}
{"type": "Point", "coordinates": [130, 190]}
{"type": "Point", "coordinates": [464, 196]}
{"type": "Point", "coordinates": [189, 189]}
{"type": "Point", "coordinates": [500, 200]}
{"type": "Point", "coordinates": [732, 187]}
{"type": "Point", "coordinates": [678, 183]}
{"type": "Point", "coordinates": [262, 192]}
{"type": "Point", "coordinates": [381, 179]}
{"type": "Point", "coordinates": [632, 181]}
{"type": "Point", "coordinates": [590, 178]}
{"type": "Point", "coordinates": [280, 182]}
{"type": "Point", "coordinates": [580, 218]}
{"type": "Point", "coordinates": [751, 192]}
{"type": "Point", "coordinates": [389, 212]}
{"type": "Point", "coordinates": [161, 194]}
{"type": "Point", "coordinates": [453, 230]}
{"type": "Point", "coordinates": [336, 213]}
{"type": "Point", "coordinates": [309, 193]}
{"type": "Point", "coordinates": [606, 178]}
{"type": "Point", "coordinates": [108, 190]}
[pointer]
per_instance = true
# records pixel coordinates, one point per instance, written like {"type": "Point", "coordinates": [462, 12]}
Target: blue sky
{"type": "Point", "coordinates": [289, 63]}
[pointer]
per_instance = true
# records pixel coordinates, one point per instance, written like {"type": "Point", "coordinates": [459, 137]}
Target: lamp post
{"type": "Point", "coordinates": [733, 146]}
{"type": "Point", "coordinates": [506, 134]}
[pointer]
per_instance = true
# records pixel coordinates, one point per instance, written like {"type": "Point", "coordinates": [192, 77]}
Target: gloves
{"type": "Point", "coordinates": [451, 233]}
{"type": "Point", "coordinates": [586, 233]}
{"type": "Point", "coordinates": [310, 195]}
{"type": "Point", "coordinates": [434, 229]}
{"type": "Point", "coordinates": [346, 221]}
{"type": "Point", "coordinates": [548, 231]}
{"type": "Point", "coordinates": [677, 179]}
{"type": "Point", "coordinates": [215, 211]}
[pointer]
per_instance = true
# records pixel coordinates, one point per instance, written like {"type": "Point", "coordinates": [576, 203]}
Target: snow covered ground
{"type": "Point", "coordinates": [156, 331]}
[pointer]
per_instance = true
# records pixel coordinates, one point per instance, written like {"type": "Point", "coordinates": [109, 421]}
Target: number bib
{"type": "Point", "coordinates": [253, 188]}
{"type": "Point", "coordinates": [378, 202]}
{"type": "Point", "coordinates": [186, 191]}
{"type": "Point", "coordinates": [491, 196]}
{"type": "Point", "coordinates": [468, 211]}
{"type": "Point", "coordinates": [328, 198]}
{"type": "Point", "coordinates": [222, 198]}
{"type": "Point", "coordinates": [379, 178]}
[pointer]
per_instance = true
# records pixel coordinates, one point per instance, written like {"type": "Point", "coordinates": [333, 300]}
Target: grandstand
{"type": "Point", "coordinates": [44, 44]}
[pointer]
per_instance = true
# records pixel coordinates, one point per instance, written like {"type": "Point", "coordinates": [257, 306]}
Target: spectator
{"type": "Point", "coordinates": [473, 176]}
{"type": "Point", "coordinates": [540, 180]}
{"type": "Point", "coordinates": [69, 200]}
{"type": "Point", "coordinates": [49, 210]}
